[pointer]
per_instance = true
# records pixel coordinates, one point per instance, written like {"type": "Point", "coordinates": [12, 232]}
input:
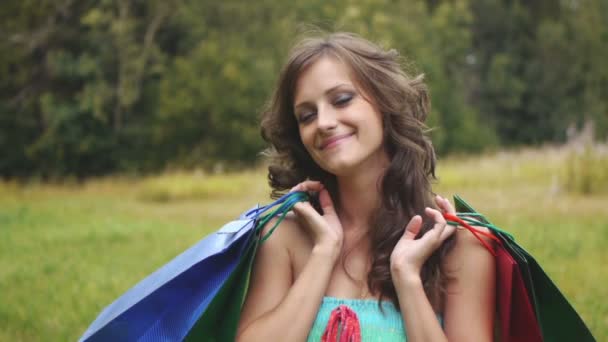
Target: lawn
{"type": "Point", "coordinates": [66, 251]}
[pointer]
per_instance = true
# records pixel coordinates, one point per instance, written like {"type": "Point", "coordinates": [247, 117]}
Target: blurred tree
{"type": "Point", "coordinates": [539, 67]}
{"type": "Point", "coordinates": [90, 87]}
{"type": "Point", "coordinates": [465, 129]}
{"type": "Point", "coordinates": [32, 29]}
{"type": "Point", "coordinates": [212, 94]}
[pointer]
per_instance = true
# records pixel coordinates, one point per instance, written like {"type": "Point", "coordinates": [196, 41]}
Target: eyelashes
{"type": "Point", "coordinates": [340, 101]}
{"type": "Point", "coordinates": [343, 100]}
{"type": "Point", "coordinates": [303, 118]}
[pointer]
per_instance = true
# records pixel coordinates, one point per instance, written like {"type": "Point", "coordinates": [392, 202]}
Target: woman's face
{"type": "Point", "coordinates": [340, 129]}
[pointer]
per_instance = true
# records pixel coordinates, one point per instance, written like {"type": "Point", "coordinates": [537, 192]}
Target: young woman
{"type": "Point", "coordinates": [371, 256]}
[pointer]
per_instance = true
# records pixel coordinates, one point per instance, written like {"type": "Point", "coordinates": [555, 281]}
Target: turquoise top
{"type": "Point", "coordinates": [375, 326]}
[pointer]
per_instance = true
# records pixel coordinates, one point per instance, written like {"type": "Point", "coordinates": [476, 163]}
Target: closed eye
{"type": "Point", "coordinates": [343, 100]}
{"type": "Point", "coordinates": [306, 117]}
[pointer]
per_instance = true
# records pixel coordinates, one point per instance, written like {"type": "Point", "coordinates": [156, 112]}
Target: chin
{"type": "Point", "coordinates": [349, 164]}
{"type": "Point", "coordinates": [340, 167]}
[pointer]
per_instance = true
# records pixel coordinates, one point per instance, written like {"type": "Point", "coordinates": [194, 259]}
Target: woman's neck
{"type": "Point", "coordinates": [359, 197]}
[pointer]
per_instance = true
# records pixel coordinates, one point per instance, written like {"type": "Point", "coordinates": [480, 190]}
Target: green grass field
{"type": "Point", "coordinates": [67, 251]}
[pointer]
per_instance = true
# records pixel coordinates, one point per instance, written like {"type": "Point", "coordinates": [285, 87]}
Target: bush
{"type": "Point", "coordinates": [586, 170]}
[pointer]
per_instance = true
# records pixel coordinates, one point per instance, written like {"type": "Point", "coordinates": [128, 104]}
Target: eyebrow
{"type": "Point", "coordinates": [328, 91]}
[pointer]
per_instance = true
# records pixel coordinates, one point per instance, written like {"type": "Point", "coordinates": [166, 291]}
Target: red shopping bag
{"type": "Point", "coordinates": [515, 312]}
{"type": "Point", "coordinates": [514, 305]}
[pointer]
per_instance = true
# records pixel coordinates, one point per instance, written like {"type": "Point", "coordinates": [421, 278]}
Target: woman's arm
{"type": "Point", "coordinates": [419, 318]}
{"type": "Point", "coordinates": [469, 304]}
{"type": "Point", "coordinates": [278, 308]}
{"type": "Point", "coordinates": [470, 301]}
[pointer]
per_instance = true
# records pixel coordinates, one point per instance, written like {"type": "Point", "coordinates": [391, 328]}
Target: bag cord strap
{"type": "Point", "coordinates": [287, 203]}
{"type": "Point", "coordinates": [456, 221]}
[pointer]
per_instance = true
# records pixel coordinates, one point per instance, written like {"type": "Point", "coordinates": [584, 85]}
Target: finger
{"type": "Point", "coordinates": [440, 222]}
{"type": "Point", "coordinates": [444, 204]}
{"type": "Point", "coordinates": [308, 185]}
{"type": "Point", "coordinates": [413, 228]}
{"type": "Point", "coordinates": [431, 237]}
{"type": "Point", "coordinates": [326, 203]}
{"type": "Point", "coordinates": [449, 206]}
{"type": "Point", "coordinates": [435, 215]}
{"type": "Point", "coordinates": [306, 212]}
{"type": "Point", "coordinates": [439, 202]}
{"type": "Point", "coordinates": [435, 237]}
{"type": "Point", "coordinates": [447, 232]}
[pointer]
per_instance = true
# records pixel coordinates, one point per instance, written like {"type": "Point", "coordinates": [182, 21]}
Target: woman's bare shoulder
{"type": "Point", "coordinates": [471, 287]}
{"type": "Point", "coordinates": [468, 249]}
{"type": "Point", "coordinates": [289, 232]}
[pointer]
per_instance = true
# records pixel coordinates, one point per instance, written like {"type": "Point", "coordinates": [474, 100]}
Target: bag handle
{"type": "Point", "coordinates": [256, 212]}
{"type": "Point", "coordinates": [287, 202]}
{"type": "Point", "coordinates": [484, 223]}
{"type": "Point", "coordinates": [454, 220]}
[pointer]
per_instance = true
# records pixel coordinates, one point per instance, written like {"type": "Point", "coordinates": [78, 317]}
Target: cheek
{"type": "Point", "coordinates": [371, 125]}
{"type": "Point", "coordinates": [307, 138]}
{"type": "Point", "coordinates": [378, 124]}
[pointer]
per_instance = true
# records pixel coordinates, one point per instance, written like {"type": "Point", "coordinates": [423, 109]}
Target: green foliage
{"type": "Point", "coordinates": [139, 86]}
{"type": "Point", "coordinates": [538, 70]}
{"type": "Point", "coordinates": [460, 124]}
{"type": "Point", "coordinates": [74, 143]}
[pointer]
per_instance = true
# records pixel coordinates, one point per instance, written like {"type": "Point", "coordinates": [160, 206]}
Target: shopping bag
{"type": "Point", "coordinates": [219, 322]}
{"type": "Point", "coordinates": [556, 318]}
{"type": "Point", "coordinates": [515, 309]}
{"type": "Point", "coordinates": [167, 304]}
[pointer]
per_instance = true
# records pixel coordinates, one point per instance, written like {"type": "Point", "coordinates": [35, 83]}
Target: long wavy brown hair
{"type": "Point", "coordinates": [405, 188]}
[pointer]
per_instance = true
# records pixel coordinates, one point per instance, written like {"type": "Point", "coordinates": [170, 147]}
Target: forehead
{"type": "Point", "coordinates": [321, 75]}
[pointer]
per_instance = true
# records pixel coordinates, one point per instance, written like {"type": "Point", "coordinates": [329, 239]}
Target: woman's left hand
{"type": "Point", "coordinates": [410, 253]}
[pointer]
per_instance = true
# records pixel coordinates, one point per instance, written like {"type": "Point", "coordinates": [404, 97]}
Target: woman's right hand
{"type": "Point", "coordinates": [326, 230]}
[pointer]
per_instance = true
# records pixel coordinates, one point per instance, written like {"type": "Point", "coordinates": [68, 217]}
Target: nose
{"type": "Point", "coordinates": [326, 118]}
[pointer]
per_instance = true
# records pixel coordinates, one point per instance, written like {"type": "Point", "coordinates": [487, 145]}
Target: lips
{"type": "Point", "coordinates": [329, 142]}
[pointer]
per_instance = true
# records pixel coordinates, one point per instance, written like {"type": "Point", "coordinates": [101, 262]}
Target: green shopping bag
{"type": "Point", "coordinates": [219, 322]}
{"type": "Point", "coordinates": [557, 318]}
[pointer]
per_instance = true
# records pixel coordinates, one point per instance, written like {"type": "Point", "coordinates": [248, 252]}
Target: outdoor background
{"type": "Point", "coordinates": [129, 131]}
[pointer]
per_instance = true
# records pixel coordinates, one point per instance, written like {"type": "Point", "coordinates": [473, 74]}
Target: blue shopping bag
{"type": "Point", "coordinates": [167, 304]}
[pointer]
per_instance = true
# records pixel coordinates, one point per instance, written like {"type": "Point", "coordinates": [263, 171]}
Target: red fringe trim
{"type": "Point", "coordinates": [344, 323]}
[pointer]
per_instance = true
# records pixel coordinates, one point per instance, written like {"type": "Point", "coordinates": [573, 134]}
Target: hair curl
{"type": "Point", "coordinates": [406, 185]}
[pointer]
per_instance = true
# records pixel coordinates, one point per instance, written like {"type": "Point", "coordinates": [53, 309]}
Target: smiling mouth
{"type": "Point", "coordinates": [334, 141]}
